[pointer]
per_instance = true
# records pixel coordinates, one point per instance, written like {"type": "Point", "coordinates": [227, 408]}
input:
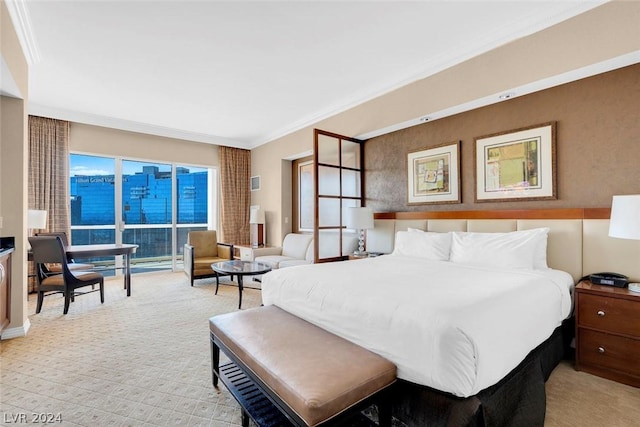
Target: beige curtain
{"type": "Point", "coordinates": [49, 172]}
{"type": "Point", "coordinates": [235, 176]}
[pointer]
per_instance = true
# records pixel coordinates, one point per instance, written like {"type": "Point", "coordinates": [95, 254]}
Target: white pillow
{"type": "Point", "coordinates": [414, 230]}
{"type": "Point", "coordinates": [433, 246]}
{"type": "Point", "coordinates": [519, 249]}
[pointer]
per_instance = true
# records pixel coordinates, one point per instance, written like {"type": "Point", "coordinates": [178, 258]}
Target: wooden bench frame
{"type": "Point", "coordinates": [266, 408]}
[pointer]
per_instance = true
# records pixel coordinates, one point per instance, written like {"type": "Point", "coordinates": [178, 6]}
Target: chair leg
{"type": "Point", "coordinates": [40, 299]}
{"type": "Point", "coordinates": [101, 291]}
{"type": "Point", "coordinates": [67, 300]}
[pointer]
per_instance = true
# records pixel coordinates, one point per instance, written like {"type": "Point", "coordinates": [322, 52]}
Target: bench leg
{"type": "Point", "coordinates": [245, 418]}
{"type": "Point", "coordinates": [215, 362]}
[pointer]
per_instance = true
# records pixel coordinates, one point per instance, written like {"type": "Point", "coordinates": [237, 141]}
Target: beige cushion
{"type": "Point", "coordinates": [205, 243]}
{"type": "Point", "coordinates": [58, 279]}
{"type": "Point", "coordinates": [316, 373]}
{"type": "Point", "coordinates": [202, 265]}
{"type": "Point", "coordinates": [295, 245]}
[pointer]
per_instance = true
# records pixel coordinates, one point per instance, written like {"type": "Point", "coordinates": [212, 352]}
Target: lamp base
{"type": "Point", "coordinates": [257, 235]}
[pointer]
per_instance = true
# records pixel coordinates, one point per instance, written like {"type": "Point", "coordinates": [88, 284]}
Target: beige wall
{"type": "Point", "coordinates": [13, 172]}
{"type": "Point", "coordinates": [603, 33]}
{"type": "Point", "coordinates": [112, 142]}
{"type": "Point", "coordinates": [597, 145]}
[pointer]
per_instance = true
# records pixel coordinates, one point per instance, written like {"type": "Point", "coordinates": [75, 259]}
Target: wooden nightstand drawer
{"type": "Point", "coordinates": [609, 314]}
{"type": "Point", "coordinates": [609, 351]}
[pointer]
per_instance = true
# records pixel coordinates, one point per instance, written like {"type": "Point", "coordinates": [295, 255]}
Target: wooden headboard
{"type": "Point", "coordinates": [578, 238]}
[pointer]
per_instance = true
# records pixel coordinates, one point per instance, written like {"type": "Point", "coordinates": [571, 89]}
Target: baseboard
{"type": "Point", "coordinates": [18, 332]}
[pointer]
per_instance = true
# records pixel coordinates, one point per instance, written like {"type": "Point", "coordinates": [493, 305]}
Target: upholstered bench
{"type": "Point", "coordinates": [306, 375]}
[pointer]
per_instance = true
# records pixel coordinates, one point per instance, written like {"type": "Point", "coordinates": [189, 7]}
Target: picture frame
{"type": "Point", "coordinates": [433, 174]}
{"type": "Point", "coordinates": [516, 165]}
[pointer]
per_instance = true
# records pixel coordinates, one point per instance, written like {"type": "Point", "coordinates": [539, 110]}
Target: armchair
{"type": "Point", "coordinates": [201, 250]}
{"type": "Point", "coordinates": [296, 249]}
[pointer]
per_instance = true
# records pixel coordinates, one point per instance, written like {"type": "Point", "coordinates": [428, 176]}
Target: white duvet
{"type": "Point", "coordinates": [453, 327]}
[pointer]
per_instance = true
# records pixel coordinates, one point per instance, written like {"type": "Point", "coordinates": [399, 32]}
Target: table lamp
{"type": "Point", "coordinates": [359, 219]}
{"type": "Point", "coordinates": [625, 222]}
{"type": "Point", "coordinates": [36, 220]}
{"type": "Point", "coordinates": [256, 220]}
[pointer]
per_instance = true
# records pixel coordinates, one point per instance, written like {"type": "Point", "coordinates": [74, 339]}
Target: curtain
{"type": "Point", "coordinates": [49, 172]}
{"type": "Point", "coordinates": [235, 195]}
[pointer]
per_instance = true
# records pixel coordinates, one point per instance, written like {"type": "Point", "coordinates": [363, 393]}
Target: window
{"type": "Point", "coordinates": [157, 204]}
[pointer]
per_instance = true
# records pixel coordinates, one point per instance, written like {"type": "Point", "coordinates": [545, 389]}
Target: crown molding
{"type": "Point", "coordinates": [560, 79]}
{"type": "Point", "coordinates": [22, 23]}
{"type": "Point", "coordinates": [132, 126]}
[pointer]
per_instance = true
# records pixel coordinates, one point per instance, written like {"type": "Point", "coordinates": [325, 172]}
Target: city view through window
{"type": "Point", "coordinates": [153, 205]}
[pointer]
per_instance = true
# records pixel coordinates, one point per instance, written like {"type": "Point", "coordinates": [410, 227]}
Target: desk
{"type": "Point", "coordinates": [88, 251]}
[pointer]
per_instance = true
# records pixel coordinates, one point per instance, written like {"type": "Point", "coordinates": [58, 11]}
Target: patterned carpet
{"type": "Point", "coordinates": [145, 361]}
{"type": "Point", "coordinates": [142, 360]}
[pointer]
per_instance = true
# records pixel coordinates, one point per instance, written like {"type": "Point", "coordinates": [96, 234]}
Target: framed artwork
{"type": "Point", "coordinates": [516, 165]}
{"type": "Point", "coordinates": [433, 174]}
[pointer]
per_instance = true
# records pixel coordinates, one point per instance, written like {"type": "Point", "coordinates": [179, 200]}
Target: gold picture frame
{"type": "Point", "coordinates": [516, 165]}
{"type": "Point", "coordinates": [433, 174]}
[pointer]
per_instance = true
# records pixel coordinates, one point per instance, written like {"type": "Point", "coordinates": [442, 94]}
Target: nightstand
{"type": "Point", "coordinates": [608, 332]}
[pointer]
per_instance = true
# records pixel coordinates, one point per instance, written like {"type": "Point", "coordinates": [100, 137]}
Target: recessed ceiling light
{"type": "Point", "coordinates": [425, 119]}
{"type": "Point", "coordinates": [507, 95]}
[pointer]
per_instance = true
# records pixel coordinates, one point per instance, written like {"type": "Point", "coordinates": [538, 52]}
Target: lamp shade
{"type": "Point", "coordinates": [359, 218]}
{"type": "Point", "coordinates": [625, 217]}
{"type": "Point", "coordinates": [256, 216]}
{"type": "Point", "coordinates": [36, 219]}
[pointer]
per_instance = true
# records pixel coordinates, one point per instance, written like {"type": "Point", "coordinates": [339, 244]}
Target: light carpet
{"type": "Point", "coordinates": [145, 361]}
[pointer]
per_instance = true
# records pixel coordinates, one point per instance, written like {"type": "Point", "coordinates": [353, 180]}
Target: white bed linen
{"type": "Point", "coordinates": [456, 328]}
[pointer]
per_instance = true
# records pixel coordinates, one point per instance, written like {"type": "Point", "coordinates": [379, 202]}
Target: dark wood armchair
{"type": "Point", "coordinates": [50, 250]}
{"type": "Point", "coordinates": [201, 250]}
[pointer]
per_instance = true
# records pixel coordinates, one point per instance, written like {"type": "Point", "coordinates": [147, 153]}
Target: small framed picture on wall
{"type": "Point", "coordinates": [433, 174]}
{"type": "Point", "coordinates": [516, 165]}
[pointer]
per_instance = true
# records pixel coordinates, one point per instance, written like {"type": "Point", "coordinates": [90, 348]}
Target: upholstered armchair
{"type": "Point", "coordinates": [296, 249]}
{"type": "Point", "coordinates": [201, 250]}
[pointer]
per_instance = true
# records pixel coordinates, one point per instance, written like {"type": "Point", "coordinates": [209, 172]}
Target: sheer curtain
{"type": "Point", "coordinates": [49, 172]}
{"type": "Point", "coordinates": [235, 175]}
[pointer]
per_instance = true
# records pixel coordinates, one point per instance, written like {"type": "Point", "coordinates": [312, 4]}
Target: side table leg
{"type": "Point", "coordinates": [240, 290]}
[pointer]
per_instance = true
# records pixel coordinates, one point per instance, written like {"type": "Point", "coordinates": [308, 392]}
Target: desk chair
{"type": "Point", "coordinates": [50, 250]}
{"type": "Point", "coordinates": [73, 266]}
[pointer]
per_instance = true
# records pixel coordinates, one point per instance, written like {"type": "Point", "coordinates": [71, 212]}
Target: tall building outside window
{"type": "Point", "coordinates": [153, 205]}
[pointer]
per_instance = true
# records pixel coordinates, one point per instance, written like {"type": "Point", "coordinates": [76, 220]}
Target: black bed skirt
{"type": "Point", "coordinates": [517, 400]}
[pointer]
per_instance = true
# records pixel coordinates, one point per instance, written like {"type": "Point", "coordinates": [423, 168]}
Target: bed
{"type": "Point", "coordinates": [494, 379]}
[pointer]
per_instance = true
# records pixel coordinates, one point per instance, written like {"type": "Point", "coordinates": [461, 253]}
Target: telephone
{"type": "Point", "coordinates": [609, 279]}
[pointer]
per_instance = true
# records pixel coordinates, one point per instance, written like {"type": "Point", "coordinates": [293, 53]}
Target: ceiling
{"type": "Point", "coordinates": [243, 73]}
